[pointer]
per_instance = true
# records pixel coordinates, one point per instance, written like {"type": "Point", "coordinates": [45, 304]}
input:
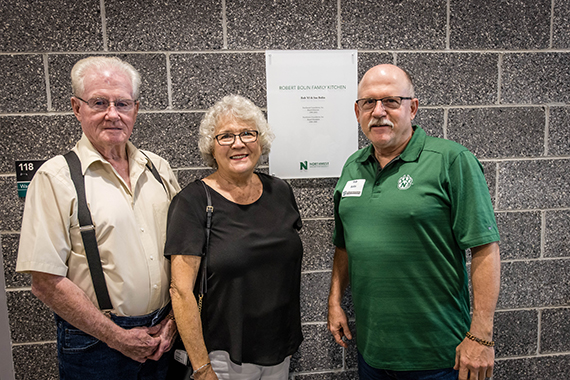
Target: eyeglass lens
{"type": "Point", "coordinates": [102, 104]}
{"type": "Point", "coordinates": [391, 102]}
{"type": "Point", "coordinates": [229, 138]}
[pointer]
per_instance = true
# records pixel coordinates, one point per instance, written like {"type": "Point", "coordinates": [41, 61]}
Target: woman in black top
{"type": "Point", "coordinates": [250, 319]}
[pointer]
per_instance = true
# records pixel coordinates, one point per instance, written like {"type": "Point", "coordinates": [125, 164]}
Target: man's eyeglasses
{"type": "Point", "coordinates": [389, 102]}
{"type": "Point", "coordinates": [246, 137]}
{"type": "Point", "coordinates": [102, 104]}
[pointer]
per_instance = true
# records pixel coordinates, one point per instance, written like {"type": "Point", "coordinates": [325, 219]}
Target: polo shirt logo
{"type": "Point", "coordinates": [405, 182]}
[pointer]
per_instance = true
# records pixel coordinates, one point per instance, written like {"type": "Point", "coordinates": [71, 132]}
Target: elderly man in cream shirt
{"type": "Point", "coordinates": [128, 205]}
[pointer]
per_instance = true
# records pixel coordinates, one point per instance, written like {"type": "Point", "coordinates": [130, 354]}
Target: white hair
{"type": "Point", "coordinates": [102, 62]}
{"type": "Point", "coordinates": [237, 108]}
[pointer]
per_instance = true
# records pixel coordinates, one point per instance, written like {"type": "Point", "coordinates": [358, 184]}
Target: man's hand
{"type": "Point", "coordinates": [474, 361]}
{"type": "Point", "coordinates": [136, 343]}
{"type": "Point", "coordinates": [337, 322]}
{"type": "Point", "coordinates": [166, 331]}
{"type": "Point", "coordinates": [338, 325]}
{"type": "Point", "coordinates": [72, 304]}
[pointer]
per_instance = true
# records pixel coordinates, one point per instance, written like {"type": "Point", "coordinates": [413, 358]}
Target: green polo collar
{"type": "Point", "coordinates": [410, 153]}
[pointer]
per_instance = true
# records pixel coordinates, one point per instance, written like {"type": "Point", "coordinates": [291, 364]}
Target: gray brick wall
{"type": "Point", "coordinates": [492, 75]}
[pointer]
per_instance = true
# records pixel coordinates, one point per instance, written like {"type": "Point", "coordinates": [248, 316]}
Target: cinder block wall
{"type": "Point", "coordinates": [492, 75]}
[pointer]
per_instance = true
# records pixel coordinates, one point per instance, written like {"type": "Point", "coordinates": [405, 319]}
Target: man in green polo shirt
{"type": "Point", "coordinates": [406, 208]}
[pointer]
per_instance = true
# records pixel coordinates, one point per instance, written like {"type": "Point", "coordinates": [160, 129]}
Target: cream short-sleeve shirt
{"type": "Point", "coordinates": [130, 226]}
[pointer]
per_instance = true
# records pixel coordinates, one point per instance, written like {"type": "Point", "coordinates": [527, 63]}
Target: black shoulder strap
{"type": "Point", "coordinates": [153, 170]}
{"type": "Point", "coordinates": [203, 289]}
{"type": "Point", "coordinates": [87, 230]}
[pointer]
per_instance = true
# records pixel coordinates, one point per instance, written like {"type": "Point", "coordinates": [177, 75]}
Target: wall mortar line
{"type": "Point", "coordinates": [552, 18]}
{"type": "Point", "coordinates": [48, 87]}
{"type": "Point", "coordinates": [224, 26]}
{"type": "Point", "coordinates": [104, 25]}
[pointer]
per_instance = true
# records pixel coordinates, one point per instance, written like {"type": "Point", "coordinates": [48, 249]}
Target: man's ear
{"type": "Point", "coordinates": [357, 111]}
{"type": "Point", "coordinates": [76, 104]}
{"type": "Point", "coordinates": [414, 104]}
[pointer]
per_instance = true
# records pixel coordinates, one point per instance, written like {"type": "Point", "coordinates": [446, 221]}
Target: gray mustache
{"type": "Point", "coordinates": [380, 122]}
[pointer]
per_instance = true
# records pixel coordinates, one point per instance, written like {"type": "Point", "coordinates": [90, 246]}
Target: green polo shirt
{"type": "Point", "coordinates": [406, 228]}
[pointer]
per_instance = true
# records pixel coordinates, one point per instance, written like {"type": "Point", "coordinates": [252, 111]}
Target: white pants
{"type": "Point", "coordinates": [225, 369]}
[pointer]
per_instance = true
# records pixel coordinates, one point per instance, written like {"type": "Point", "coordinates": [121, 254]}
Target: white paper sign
{"type": "Point", "coordinates": [310, 108]}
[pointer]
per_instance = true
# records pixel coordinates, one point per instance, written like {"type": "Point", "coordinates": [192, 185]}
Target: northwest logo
{"type": "Point", "coordinates": [305, 165]}
{"type": "Point", "coordinates": [405, 182]}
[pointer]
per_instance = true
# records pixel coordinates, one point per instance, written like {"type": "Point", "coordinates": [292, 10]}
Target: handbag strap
{"type": "Point", "coordinates": [87, 230]}
{"type": "Point", "coordinates": [203, 285]}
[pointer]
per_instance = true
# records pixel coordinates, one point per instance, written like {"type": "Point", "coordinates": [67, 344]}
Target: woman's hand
{"type": "Point", "coordinates": [206, 374]}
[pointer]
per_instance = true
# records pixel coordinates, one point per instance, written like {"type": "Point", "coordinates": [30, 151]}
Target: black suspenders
{"type": "Point", "coordinates": [87, 229]}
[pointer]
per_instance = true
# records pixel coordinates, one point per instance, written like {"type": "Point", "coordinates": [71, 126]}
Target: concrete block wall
{"type": "Point", "coordinates": [492, 75]}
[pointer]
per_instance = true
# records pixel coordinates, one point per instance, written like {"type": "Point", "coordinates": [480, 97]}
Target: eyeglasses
{"type": "Point", "coordinates": [389, 102]}
{"type": "Point", "coordinates": [246, 137]}
{"type": "Point", "coordinates": [102, 104]}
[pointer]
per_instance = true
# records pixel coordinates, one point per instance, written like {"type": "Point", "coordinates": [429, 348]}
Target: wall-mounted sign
{"type": "Point", "coordinates": [310, 107]}
{"type": "Point", "coordinates": [25, 170]}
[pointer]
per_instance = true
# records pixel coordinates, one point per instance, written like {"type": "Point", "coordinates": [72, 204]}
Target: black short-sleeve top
{"type": "Point", "coordinates": [252, 306]}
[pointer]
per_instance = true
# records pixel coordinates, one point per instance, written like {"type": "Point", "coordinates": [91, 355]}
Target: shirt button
{"type": "Point", "coordinates": [152, 257]}
{"type": "Point", "coordinates": [142, 229]}
{"type": "Point", "coordinates": [155, 286]}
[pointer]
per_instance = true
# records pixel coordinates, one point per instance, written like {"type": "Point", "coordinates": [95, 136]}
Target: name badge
{"type": "Point", "coordinates": [353, 188]}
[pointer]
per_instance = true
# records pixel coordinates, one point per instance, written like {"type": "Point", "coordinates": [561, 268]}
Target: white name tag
{"type": "Point", "coordinates": [353, 188]}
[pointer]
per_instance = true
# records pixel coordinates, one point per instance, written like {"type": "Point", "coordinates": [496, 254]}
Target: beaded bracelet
{"type": "Point", "coordinates": [202, 367]}
{"type": "Point", "coordinates": [480, 341]}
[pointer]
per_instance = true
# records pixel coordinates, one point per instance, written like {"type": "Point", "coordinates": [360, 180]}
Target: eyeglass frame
{"type": "Point", "coordinates": [382, 102]}
{"type": "Point", "coordinates": [237, 135]}
{"type": "Point", "coordinates": [110, 102]}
